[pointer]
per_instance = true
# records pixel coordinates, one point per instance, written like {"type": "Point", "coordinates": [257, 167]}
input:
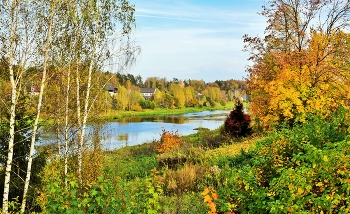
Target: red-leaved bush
{"type": "Point", "coordinates": [237, 123]}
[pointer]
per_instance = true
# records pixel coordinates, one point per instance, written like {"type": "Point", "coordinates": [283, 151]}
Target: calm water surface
{"type": "Point", "coordinates": [133, 131]}
{"type": "Point", "coordinates": [138, 130]}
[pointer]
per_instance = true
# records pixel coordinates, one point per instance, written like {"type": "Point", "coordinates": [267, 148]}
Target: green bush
{"type": "Point", "coordinates": [106, 195]}
{"type": "Point", "coordinates": [132, 167]}
{"type": "Point", "coordinates": [299, 170]}
{"type": "Point", "coordinates": [223, 102]}
{"type": "Point", "coordinates": [147, 104]}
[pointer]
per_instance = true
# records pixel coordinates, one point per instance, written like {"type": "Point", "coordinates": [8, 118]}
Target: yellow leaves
{"type": "Point", "coordinates": [325, 158]}
{"type": "Point", "coordinates": [319, 184]}
{"type": "Point", "coordinates": [207, 199]}
{"type": "Point", "coordinates": [210, 196]}
{"type": "Point", "coordinates": [300, 191]}
{"type": "Point", "coordinates": [271, 194]}
{"type": "Point", "coordinates": [293, 84]}
{"type": "Point", "coordinates": [290, 187]}
{"type": "Point", "coordinates": [168, 141]}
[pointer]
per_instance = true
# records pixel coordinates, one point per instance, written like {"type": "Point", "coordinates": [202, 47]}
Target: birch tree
{"type": "Point", "coordinates": [48, 9]}
{"type": "Point", "coordinates": [99, 22]}
{"type": "Point", "coordinates": [16, 35]}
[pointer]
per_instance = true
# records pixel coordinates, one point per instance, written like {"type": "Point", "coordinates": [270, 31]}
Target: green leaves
{"type": "Point", "coordinates": [304, 169]}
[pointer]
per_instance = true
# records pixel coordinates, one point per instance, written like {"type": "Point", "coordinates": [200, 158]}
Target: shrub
{"type": "Point", "coordinates": [299, 170]}
{"type": "Point", "coordinates": [237, 123]}
{"type": "Point", "coordinates": [213, 139]}
{"type": "Point", "coordinates": [106, 195]}
{"type": "Point", "coordinates": [182, 180]}
{"type": "Point", "coordinates": [223, 102]}
{"type": "Point", "coordinates": [147, 104]}
{"type": "Point", "coordinates": [193, 103]}
{"type": "Point", "coordinates": [169, 140]}
{"type": "Point", "coordinates": [136, 107]}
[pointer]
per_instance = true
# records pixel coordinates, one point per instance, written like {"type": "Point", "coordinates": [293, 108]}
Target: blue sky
{"type": "Point", "coordinates": [195, 39]}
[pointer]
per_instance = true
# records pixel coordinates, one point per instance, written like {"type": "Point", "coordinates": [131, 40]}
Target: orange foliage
{"type": "Point", "coordinates": [297, 71]}
{"type": "Point", "coordinates": [210, 196]}
{"type": "Point", "coordinates": [168, 141]}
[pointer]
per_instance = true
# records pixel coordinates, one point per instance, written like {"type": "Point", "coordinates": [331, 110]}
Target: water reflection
{"type": "Point", "coordinates": [138, 130]}
{"type": "Point", "coordinates": [166, 119]}
{"type": "Point", "coordinates": [133, 131]}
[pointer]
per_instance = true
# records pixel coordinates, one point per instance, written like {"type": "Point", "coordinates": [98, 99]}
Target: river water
{"type": "Point", "coordinates": [138, 130]}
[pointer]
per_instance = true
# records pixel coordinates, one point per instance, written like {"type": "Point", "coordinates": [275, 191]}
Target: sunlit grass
{"type": "Point", "coordinates": [160, 111]}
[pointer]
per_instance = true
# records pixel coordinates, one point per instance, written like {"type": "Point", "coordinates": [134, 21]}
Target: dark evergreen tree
{"type": "Point", "coordinates": [237, 123]}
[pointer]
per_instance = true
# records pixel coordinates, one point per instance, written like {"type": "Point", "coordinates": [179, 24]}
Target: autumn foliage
{"type": "Point", "coordinates": [299, 67]}
{"type": "Point", "coordinates": [237, 123]}
{"type": "Point", "coordinates": [169, 140]}
{"type": "Point", "coordinates": [210, 196]}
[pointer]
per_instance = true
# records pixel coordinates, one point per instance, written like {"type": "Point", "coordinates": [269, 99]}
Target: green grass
{"type": "Point", "coordinates": [160, 112]}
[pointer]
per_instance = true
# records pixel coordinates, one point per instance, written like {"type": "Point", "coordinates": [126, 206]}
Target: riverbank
{"type": "Point", "coordinates": [160, 112]}
{"type": "Point", "coordinates": [210, 172]}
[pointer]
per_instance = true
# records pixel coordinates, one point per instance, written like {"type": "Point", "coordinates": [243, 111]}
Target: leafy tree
{"type": "Point", "coordinates": [198, 85]}
{"type": "Point", "coordinates": [301, 65]}
{"type": "Point", "coordinates": [168, 100]}
{"type": "Point", "coordinates": [179, 95]}
{"type": "Point", "coordinates": [159, 98]}
{"type": "Point", "coordinates": [122, 98]}
{"type": "Point", "coordinates": [189, 94]}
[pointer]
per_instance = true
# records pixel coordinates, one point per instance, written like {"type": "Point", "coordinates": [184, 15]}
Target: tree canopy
{"type": "Point", "coordinates": [301, 65]}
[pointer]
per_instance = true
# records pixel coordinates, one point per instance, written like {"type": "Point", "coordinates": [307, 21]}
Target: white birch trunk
{"type": "Point", "coordinates": [11, 142]}
{"type": "Point", "coordinates": [12, 110]}
{"type": "Point", "coordinates": [87, 99]}
{"type": "Point", "coordinates": [36, 122]}
{"type": "Point", "coordinates": [85, 117]}
{"type": "Point", "coordinates": [78, 114]}
{"type": "Point", "coordinates": [66, 138]}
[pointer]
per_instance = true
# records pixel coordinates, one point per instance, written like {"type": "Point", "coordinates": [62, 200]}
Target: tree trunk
{"type": "Point", "coordinates": [78, 118]}
{"type": "Point", "coordinates": [83, 125]}
{"type": "Point", "coordinates": [87, 99]}
{"type": "Point", "coordinates": [11, 142]}
{"type": "Point", "coordinates": [12, 110]}
{"type": "Point", "coordinates": [66, 138]}
{"type": "Point", "coordinates": [36, 122]}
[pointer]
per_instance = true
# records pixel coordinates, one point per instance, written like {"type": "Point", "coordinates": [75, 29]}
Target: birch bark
{"type": "Point", "coordinates": [13, 19]}
{"type": "Point", "coordinates": [42, 86]}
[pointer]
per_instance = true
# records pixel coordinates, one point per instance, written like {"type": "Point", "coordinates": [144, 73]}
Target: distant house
{"type": "Point", "coordinates": [111, 89]}
{"type": "Point", "coordinates": [34, 90]}
{"type": "Point", "coordinates": [147, 92]}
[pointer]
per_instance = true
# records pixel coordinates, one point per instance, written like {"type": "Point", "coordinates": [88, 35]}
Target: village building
{"type": "Point", "coordinates": [111, 89]}
{"type": "Point", "coordinates": [147, 92]}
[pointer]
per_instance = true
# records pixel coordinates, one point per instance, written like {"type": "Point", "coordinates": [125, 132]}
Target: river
{"type": "Point", "coordinates": [138, 130]}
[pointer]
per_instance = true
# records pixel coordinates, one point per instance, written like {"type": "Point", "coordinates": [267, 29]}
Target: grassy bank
{"type": "Point", "coordinates": [159, 112]}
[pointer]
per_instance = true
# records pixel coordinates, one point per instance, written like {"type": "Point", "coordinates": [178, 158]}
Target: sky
{"type": "Point", "coordinates": [195, 39]}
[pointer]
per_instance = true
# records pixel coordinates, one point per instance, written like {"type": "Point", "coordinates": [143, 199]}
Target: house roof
{"type": "Point", "coordinates": [147, 90]}
{"type": "Point", "coordinates": [111, 88]}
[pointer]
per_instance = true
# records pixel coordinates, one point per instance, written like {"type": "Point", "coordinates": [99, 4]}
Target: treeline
{"type": "Point", "coordinates": [173, 93]}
